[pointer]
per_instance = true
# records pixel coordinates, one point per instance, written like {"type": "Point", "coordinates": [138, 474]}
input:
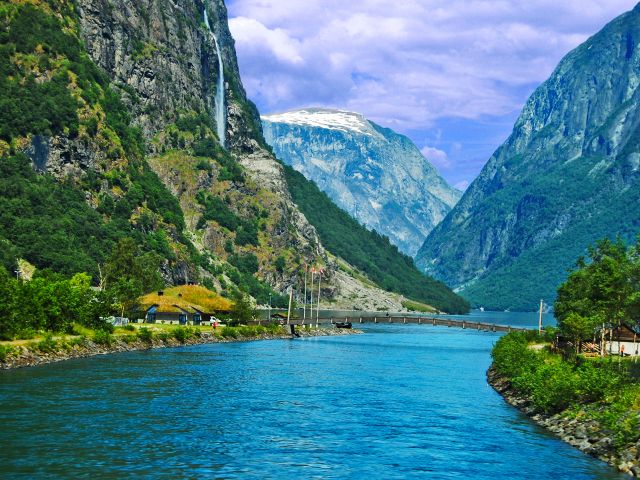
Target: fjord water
{"type": "Point", "coordinates": [401, 401]}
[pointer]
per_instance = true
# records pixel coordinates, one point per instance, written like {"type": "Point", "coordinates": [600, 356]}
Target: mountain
{"type": "Point", "coordinates": [378, 176]}
{"type": "Point", "coordinates": [129, 119]}
{"type": "Point", "coordinates": [568, 175]}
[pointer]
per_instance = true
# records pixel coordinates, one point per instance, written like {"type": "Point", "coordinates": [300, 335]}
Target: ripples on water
{"type": "Point", "coordinates": [399, 402]}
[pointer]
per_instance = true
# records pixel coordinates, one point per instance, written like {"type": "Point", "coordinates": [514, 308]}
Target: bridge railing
{"type": "Point", "coordinates": [434, 321]}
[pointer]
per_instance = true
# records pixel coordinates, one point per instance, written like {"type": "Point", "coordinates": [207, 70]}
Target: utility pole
{"type": "Point", "coordinates": [269, 308]}
{"type": "Point", "coordinates": [313, 271]}
{"type": "Point", "coordinates": [304, 303]}
{"type": "Point", "coordinates": [318, 298]}
{"type": "Point", "coordinates": [540, 318]}
{"type": "Point", "coordinates": [290, 300]}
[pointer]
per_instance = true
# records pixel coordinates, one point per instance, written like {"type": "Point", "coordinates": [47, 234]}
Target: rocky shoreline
{"type": "Point", "coordinates": [23, 356]}
{"type": "Point", "coordinates": [585, 434]}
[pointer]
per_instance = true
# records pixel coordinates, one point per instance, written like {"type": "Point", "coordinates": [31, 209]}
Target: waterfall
{"type": "Point", "coordinates": [221, 116]}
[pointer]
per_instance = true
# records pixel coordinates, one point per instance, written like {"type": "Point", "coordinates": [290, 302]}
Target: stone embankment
{"type": "Point", "coordinates": [585, 434]}
{"type": "Point", "coordinates": [29, 356]}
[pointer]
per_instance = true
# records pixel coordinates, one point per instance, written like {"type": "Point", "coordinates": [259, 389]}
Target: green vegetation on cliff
{"type": "Point", "coordinates": [51, 87]}
{"type": "Point", "coordinates": [367, 250]}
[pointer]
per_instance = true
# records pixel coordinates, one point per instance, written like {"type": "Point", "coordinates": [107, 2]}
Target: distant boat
{"type": "Point", "coordinates": [482, 309]}
{"type": "Point", "coordinates": [343, 324]}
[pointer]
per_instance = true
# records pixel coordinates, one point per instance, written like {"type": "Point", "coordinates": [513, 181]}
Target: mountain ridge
{"type": "Point", "coordinates": [375, 174]}
{"type": "Point", "coordinates": [558, 183]}
{"type": "Point", "coordinates": [122, 121]}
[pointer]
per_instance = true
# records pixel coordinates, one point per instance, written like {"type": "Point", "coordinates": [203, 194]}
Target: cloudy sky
{"type": "Point", "coordinates": [451, 74]}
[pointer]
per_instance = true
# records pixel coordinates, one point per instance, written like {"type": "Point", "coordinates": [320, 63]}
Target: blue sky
{"type": "Point", "coordinates": [453, 75]}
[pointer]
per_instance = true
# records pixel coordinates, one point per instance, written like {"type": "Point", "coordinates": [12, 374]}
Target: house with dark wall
{"type": "Point", "coordinates": [184, 305]}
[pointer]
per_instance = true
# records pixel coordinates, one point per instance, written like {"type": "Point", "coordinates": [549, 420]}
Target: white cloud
{"type": "Point", "coordinates": [407, 64]}
{"type": "Point", "coordinates": [437, 157]}
{"type": "Point", "coordinates": [255, 37]}
{"type": "Point", "coordinates": [416, 66]}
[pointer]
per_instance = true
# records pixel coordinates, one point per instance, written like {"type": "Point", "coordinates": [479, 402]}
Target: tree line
{"type": "Point", "coordinates": [53, 302]}
{"type": "Point", "coordinates": [602, 291]}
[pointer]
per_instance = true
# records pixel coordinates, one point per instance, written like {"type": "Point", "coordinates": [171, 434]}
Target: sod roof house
{"type": "Point", "coordinates": [186, 304]}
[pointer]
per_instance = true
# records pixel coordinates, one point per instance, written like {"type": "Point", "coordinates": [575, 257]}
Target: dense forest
{"type": "Point", "coordinates": [367, 250]}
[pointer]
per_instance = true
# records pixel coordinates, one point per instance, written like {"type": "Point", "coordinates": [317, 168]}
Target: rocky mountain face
{"type": "Point", "coordinates": [163, 60]}
{"type": "Point", "coordinates": [375, 174]}
{"type": "Point", "coordinates": [568, 175]}
{"type": "Point", "coordinates": [120, 102]}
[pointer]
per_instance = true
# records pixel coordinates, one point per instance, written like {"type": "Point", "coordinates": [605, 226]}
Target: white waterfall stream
{"type": "Point", "coordinates": [221, 116]}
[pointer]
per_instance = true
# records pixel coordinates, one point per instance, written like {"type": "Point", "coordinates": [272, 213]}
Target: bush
{"type": "Point", "coordinates": [551, 383]}
{"type": "Point", "coordinates": [229, 332]}
{"type": "Point", "coordinates": [102, 337]}
{"type": "Point", "coordinates": [182, 334]}
{"type": "Point", "coordinates": [552, 386]}
{"type": "Point", "coordinates": [164, 336]}
{"type": "Point", "coordinates": [145, 335]}
{"type": "Point", "coordinates": [5, 350]}
{"type": "Point", "coordinates": [512, 356]}
{"type": "Point", "coordinates": [26, 334]}
{"type": "Point", "coordinates": [47, 344]}
{"type": "Point", "coordinates": [129, 328]}
{"type": "Point", "coordinates": [246, 331]}
{"type": "Point", "coordinates": [273, 328]}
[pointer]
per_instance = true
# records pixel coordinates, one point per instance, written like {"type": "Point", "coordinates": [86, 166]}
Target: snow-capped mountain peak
{"type": "Point", "coordinates": [324, 118]}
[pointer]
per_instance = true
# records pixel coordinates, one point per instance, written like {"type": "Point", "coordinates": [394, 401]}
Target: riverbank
{"type": "Point", "coordinates": [52, 351]}
{"type": "Point", "coordinates": [581, 431]}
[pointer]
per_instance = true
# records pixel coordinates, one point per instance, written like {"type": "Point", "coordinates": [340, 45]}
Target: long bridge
{"type": "Point", "coordinates": [415, 320]}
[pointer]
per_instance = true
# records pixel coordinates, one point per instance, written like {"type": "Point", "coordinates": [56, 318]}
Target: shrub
{"type": "Point", "coordinates": [81, 330]}
{"type": "Point", "coordinates": [128, 338]}
{"type": "Point", "coordinates": [164, 336]}
{"type": "Point", "coordinates": [246, 331]}
{"type": "Point", "coordinates": [273, 328]}
{"type": "Point", "coordinates": [26, 334]}
{"type": "Point", "coordinates": [5, 350]}
{"type": "Point", "coordinates": [129, 328]}
{"type": "Point", "coordinates": [181, 334]}
{"type": "Point", "coordinates": [145, 335]}
{"type": "Point", "coordinates": [229, 332]}
{"type": "Point", "coordinates": [102, 337]}
{"type": "Point", "coordinates": [47, 344]}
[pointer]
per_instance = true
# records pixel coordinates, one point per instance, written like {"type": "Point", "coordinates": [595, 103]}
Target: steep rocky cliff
{"type": "Point", "coordinates": [135, 118]}
{"type": "Point", "coordinates": [568, 175]}
{"type": "Point", "coordinates": [376, 175]}
{"type": "Point", "coordinates": [162, 59]}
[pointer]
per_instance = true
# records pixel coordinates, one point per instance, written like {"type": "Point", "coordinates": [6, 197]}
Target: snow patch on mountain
{"type": "Point", "coordinates": [324, 118]}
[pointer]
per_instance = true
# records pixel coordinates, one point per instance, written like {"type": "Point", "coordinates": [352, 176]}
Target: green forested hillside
{"type": "Point", "coordinates": [51, 87]}
{"type": "Point", "coordinates": [368, 250]}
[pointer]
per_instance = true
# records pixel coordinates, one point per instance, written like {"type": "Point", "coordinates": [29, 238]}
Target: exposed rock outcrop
{"type": "Point", "coordinates": [164, 62]}
{"type": "Point", "coordinates": [563, 179]}
{"type": "Point", "coordinates": [375, 174]}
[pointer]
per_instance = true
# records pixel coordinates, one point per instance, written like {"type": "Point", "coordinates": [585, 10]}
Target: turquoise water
{"type": "Point", "coordinates": [399, 402]}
